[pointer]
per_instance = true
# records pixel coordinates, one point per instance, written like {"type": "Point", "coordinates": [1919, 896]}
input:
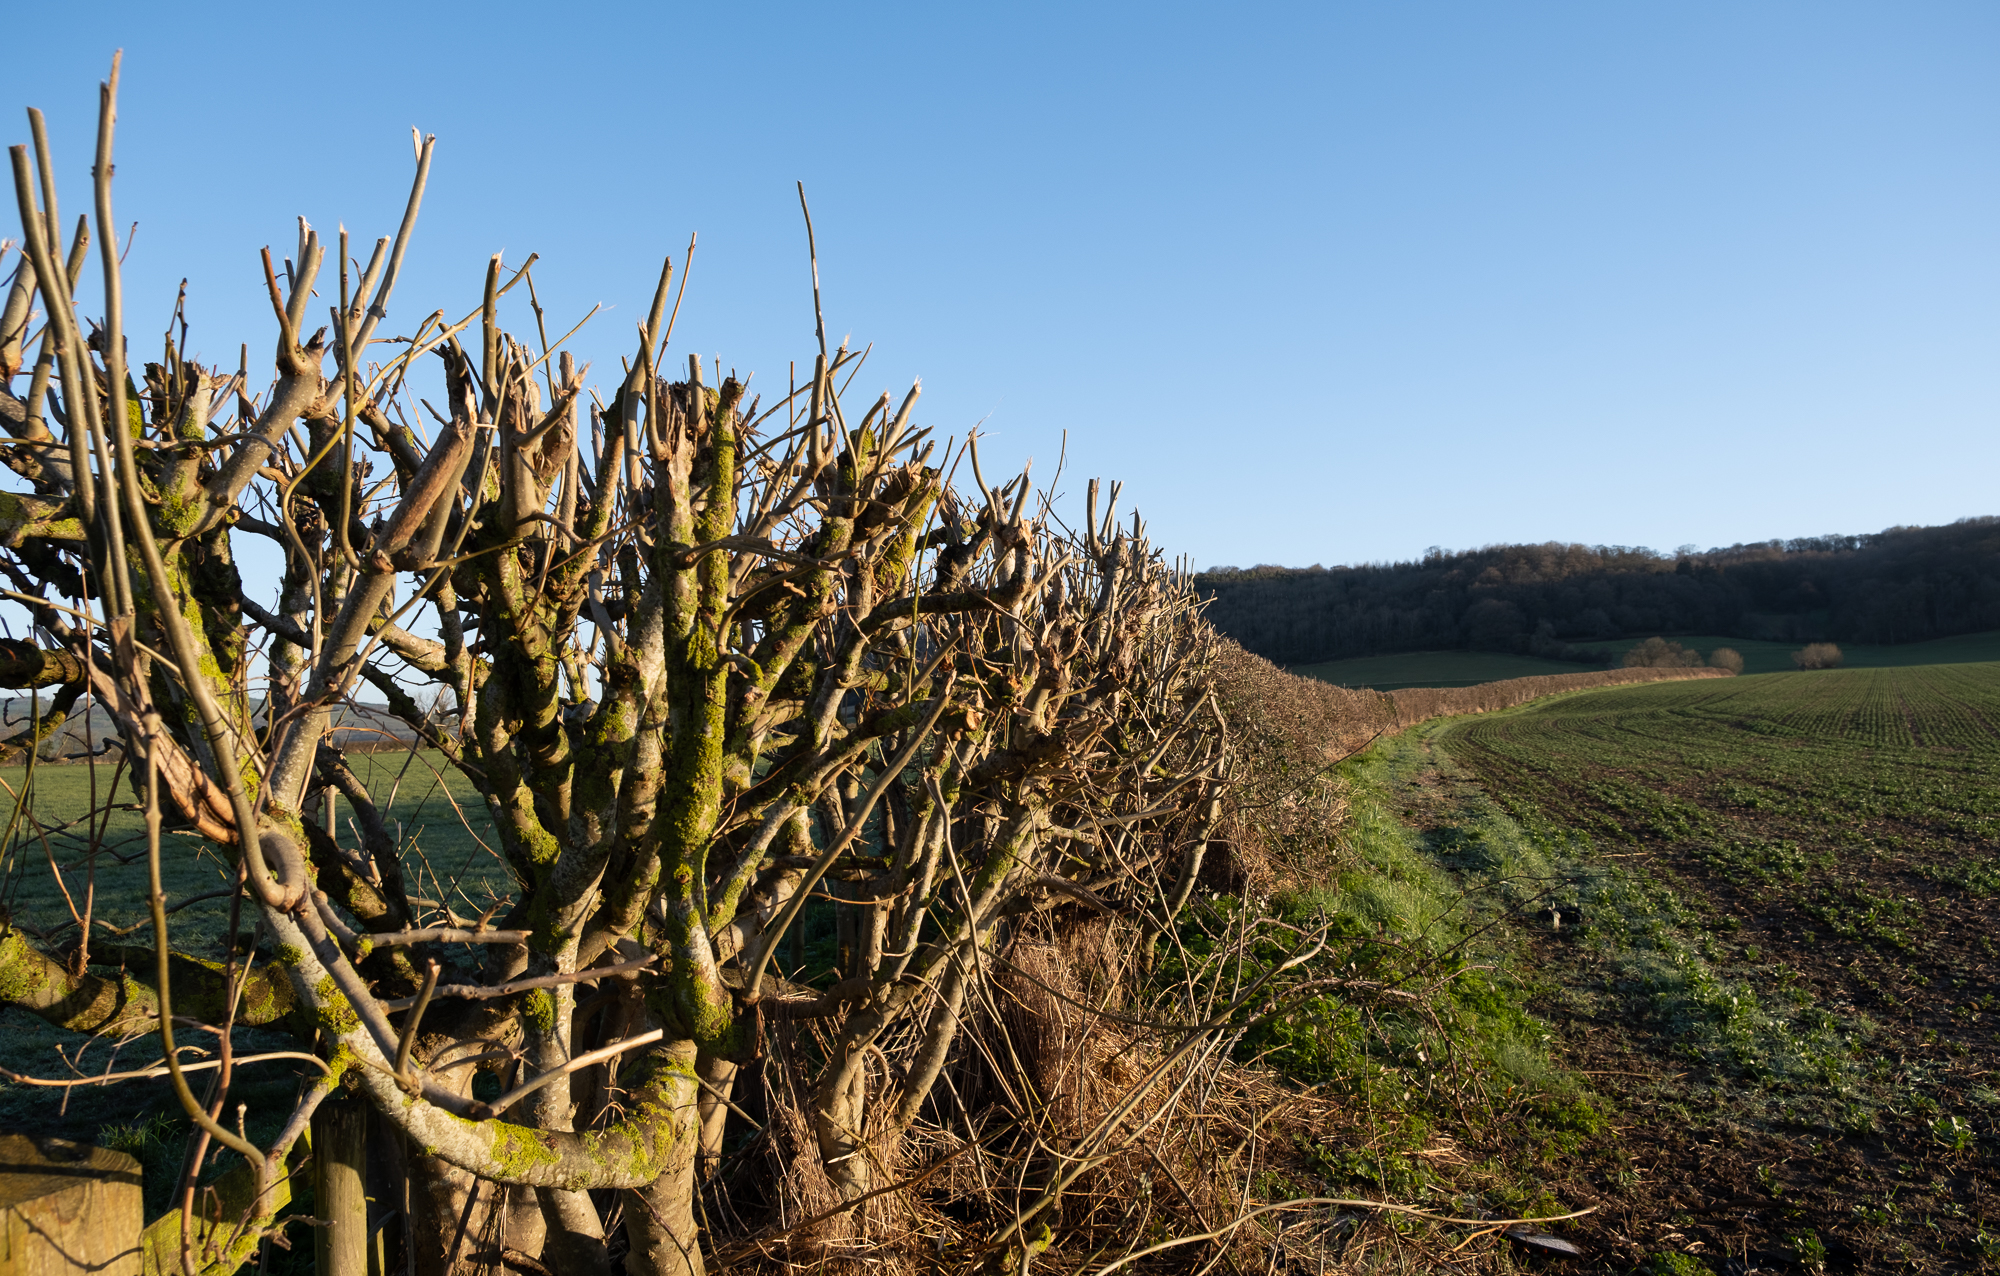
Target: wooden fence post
{"type": "Point", "coordinates": [68, 1208]}
{"type": "Point", "coordinates": [340, 1187]}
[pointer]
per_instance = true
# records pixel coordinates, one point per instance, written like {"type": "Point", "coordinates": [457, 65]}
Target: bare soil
{"type": "Point", "coordinates": [1701, 1160]}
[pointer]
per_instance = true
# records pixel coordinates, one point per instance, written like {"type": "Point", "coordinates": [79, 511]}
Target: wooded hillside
{"type": "Point", "coordinates": [1905, 584]}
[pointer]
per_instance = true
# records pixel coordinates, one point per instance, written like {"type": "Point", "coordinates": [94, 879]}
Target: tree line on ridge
{"type": "Point", "coordinates": [1904, 584]}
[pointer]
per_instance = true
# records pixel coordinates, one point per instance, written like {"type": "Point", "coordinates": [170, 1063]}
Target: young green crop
{"type": "Point", "coordinates": [1827, 842]}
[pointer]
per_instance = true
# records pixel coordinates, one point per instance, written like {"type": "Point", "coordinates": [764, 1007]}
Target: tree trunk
{"type": "Point", "coordinates": [575, 1240]}
{"type": "Point", "coordinates": [462, 1225]}
{"type": "Point", "coordinates": [720, 1074]}
{"type": "Point", "coordinates": [660, 1217]}
{"type": "Point", "coordinates": [574, 1235]}
{"type": "Point", "coordinates": [840, 1115]}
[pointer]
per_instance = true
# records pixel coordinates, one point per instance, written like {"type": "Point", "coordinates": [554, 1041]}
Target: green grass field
{"type": "Point", "coordinates": [1786, 886]}
{"type": "Point", "coordinates": [1467, 668]}
{"type": "Point", "coordinates": [445, 836]}
{"type": "Point", "coordinates": [1776, 657]}
{"type": "Point", "coordinates": [1432, 669]}
{"type": "Point", "coordinates": [444, 830]}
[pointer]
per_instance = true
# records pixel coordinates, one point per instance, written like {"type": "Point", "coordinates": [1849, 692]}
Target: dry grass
{"type": "Point", "coordinates": [1084, 1077]}
{"type": "Point", "coordinates": [1065, 1066]}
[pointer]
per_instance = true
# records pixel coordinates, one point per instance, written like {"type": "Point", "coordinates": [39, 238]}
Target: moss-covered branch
{"type": "Point", "coordinates": [117, 1002]}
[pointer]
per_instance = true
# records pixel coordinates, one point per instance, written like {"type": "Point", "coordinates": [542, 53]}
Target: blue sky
{"type": "Point", "coordinates": [1320, 283]}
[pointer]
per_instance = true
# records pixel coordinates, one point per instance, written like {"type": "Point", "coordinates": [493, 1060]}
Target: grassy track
{"type": "Point", "coordinates": [1809, 1066]}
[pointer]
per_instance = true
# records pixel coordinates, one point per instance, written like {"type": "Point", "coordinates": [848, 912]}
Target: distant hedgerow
{"type": "Point", "coordinates": [1818, 655]}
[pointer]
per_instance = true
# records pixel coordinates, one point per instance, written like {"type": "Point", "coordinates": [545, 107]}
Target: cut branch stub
{"type": "Point", "coordinates": [24, 665]}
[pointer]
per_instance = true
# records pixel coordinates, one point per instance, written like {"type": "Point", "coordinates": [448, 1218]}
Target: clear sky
{"type": "Point", "coordinates": [1320, 283]}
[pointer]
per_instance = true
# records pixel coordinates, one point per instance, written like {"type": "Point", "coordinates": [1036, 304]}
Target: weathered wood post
{"type": "Point", "coordinates": [340, 1187]}
{"type": "Point", "coordinates": [68, 1208]}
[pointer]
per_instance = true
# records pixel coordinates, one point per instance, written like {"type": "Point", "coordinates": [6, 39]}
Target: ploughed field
{"type": "Point", "coordinates": [1807, 1074]}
